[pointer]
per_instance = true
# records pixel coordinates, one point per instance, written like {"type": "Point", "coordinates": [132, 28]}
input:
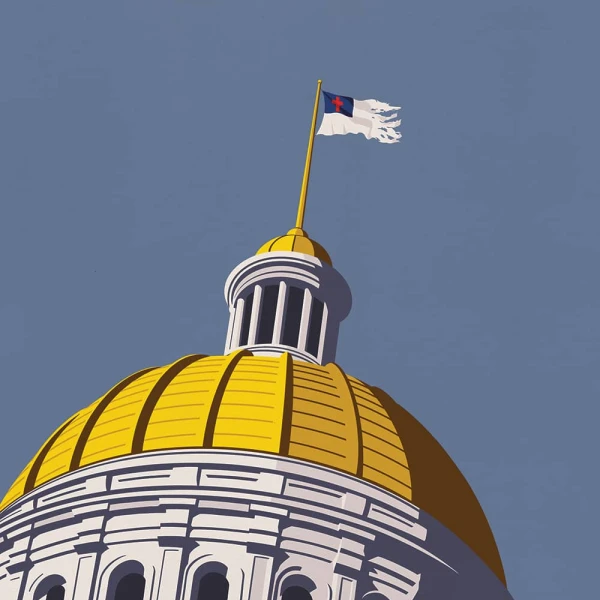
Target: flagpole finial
{"type": "Point", "coordinates": [311, 139]}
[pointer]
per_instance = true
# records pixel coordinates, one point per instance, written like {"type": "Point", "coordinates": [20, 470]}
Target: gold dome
{"type": "Point", "coordinates": [275, 405]}
{"type": "Point", "coordinates": [296, 240]}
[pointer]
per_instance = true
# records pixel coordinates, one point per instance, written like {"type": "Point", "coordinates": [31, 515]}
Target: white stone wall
{"type": "Point", "coordinates": [268, 521]}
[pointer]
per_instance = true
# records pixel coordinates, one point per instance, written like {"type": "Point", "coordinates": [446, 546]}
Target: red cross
{"type": "Point", "coordinates": [337, 103]}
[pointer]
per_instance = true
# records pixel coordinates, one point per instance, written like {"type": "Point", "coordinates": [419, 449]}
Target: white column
{"type": "Point", "coordinates": [344, 588]}
{"type": "Point", "coordinates": [14, 586]}
{"type": "Point", "coordinates": [84, 578]}
{"type": "Point", "coordinates": [170, 574]}
{"type": "Point", "coordinates": [323, 336]}
{"type": "Point", "coordinates": [229, 329]}
{"type": "Point", "coordinates": [238, 315]}
{"type": "Point", "coordinates": [260, 578]}
{"type": "Point", "coordinates": [256, 305]}
{"type": "Point", "coordinates": [305, 320]}
{"type": "Point", "coordinates": [279, 313]}
{"type": "Point", "coordinates": [235, 577]}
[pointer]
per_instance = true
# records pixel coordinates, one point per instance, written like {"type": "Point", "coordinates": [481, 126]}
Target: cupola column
{"type": "Point", "coordinates": [286, 301]}
{"type": "Point", "coordinates": [305, 320]}
{"type": "Point", "coordinates": [230, 326]}
{"type": "Point", "coordinates": [279, 313]}
{"type": "Point", "coordinates": [256, 306]}
{"type": "Point", "coordinates": [323, 335]}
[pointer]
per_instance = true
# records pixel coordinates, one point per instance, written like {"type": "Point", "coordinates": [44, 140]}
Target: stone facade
{"type": "Point", "coordinates": [266, 524]}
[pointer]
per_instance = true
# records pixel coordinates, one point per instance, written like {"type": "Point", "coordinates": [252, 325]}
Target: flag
{"type": "Point", "coordinates": [370, 117]}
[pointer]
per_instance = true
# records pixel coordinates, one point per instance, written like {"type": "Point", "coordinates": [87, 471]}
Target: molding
{"type": "Point", "coordinates": [313, 520]}
{"type": "Point", "coordinates": [19, 567]}
{"type": "Point", "coordinates": [278, 350]}
{"type": "Point", "coordinates": [172, 541]}
{"type": "Point", "coordinates": [90, 547]}
{"type": "Point", "coordinates": [325, 282]}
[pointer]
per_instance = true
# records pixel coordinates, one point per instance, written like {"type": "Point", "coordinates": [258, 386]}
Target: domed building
{"type": "Point", "coordinates": [267, 473]}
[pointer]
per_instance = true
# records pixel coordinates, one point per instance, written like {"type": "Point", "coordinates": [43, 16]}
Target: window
{"type": "Point", "coordinates": [267, 314]}
{"type": "Point", "coordinates": [314, 329]}
{"type": "Point", "coordinates": [293, 314]}
{"type": "Point", "coordinates": [246, 320]}
{"type": "Point", "coordinates": [374, 596]}
{"type": "Point", "coordinates": [130, 587]}
{"type": "Point", "coordinates": [50, 588]}
{"type": "Point", "coordinates": [56, 592]}
{"type": "Point", "coordinates": [296, 592]}
{"type": "Point", "coordinates": [213, 586]}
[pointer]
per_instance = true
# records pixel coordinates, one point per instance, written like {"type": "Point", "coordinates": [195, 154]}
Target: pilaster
{"type": "Point", "coordinates": [256, 306]}
{"type": "Point", "coordinates": [260, 578]}
{"type": "Point", "coordinates": [88, 559]}
{"type": "Point", "coordinates": [175, 551]}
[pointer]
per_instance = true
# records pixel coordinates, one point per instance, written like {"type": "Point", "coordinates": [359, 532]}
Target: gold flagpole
{"type": "Point", "coordinates": [311, 139]}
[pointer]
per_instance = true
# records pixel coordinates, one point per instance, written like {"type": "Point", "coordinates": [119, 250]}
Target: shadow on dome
{"type": "Point", "coordinates": [439, 487]}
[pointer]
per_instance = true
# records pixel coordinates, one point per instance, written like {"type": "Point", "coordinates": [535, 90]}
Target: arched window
{"type": "Point", "coordinates": [209, 582]}
{"type": "Point", "coordinates": [127, 582]}
{"type": "Point", "coordinates": [56, 592]}
{"type": "Point", "coordinates": [51, 588]}
{"type": "Point", "coordinates": [213, 586]}
{"type": "Point", "coordinates": [130, 587]}
{"type": "Point", "coordinates": [296, 592]}
{"type": "Point", "coordinates": [374, 595]}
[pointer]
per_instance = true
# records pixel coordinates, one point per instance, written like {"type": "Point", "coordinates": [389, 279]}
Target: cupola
{"type": "Point", "coordinates": [287, 298]}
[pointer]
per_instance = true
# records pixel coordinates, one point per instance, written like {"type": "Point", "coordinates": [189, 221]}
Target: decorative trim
{"type": "Point", "coordinates": [288, 403]}
{"type": "Point", "coordinates": [97, 413]}
{"type": "Point", "coordinates": [90, 548]}
{"type": "Point", "coordinates": [41, 457]}
{"type": "Point", "coordinates": [19, 567]}
{"type": "Point", "coordinates": [170, 541]}
{"type": "Point", "coordinates": [159, 387]}
{"type": "Point", "coordinates": [230, 363]}
{"type": "Point", "coordinates": [277, 350]}
{"type": "Point", "coordinates": [336, 370]}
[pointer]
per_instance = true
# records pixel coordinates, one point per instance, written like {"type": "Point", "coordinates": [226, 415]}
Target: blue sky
{"type": "Point", "coordinates": [147, 147]}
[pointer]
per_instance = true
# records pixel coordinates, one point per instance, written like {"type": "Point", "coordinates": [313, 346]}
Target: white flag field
{"type": "Point", "coordinates": [374, 119]}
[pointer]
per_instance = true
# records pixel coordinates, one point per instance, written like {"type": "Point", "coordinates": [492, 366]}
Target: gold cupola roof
{"type": "Point", "coordinates": [296, 240]}
{"type": "Point", "coordinates": [275, 405]}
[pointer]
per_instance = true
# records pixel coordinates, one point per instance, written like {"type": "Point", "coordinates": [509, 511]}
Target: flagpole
{"type": "Point", "coordinates": [311, 139]}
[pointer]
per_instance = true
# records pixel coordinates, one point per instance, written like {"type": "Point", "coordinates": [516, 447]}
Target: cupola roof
{"type": "Point", "coordinates": [296, 240]}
